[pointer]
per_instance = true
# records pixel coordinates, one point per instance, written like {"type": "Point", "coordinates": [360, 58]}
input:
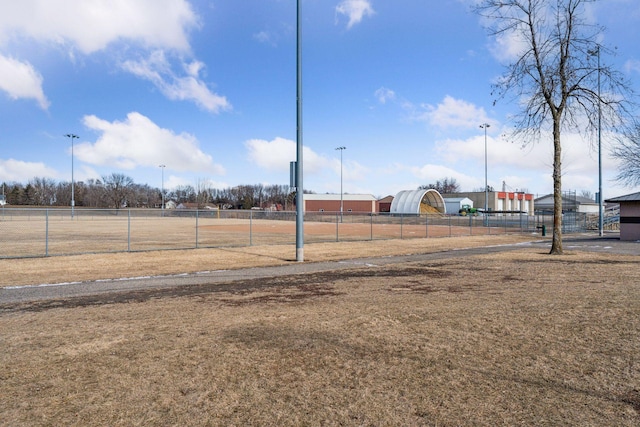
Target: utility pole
{"type": "Point", "coordinates": [600, 199]}
{"type": "Point", "coordinates": [341, 149]}
{"type": "Point", "coordinates": [162, 188]}
{"type": "Point", "coordinates": [73, 201]}
{"type": "Point", "coordinates": [299, 146]}
{"type": "Point", "coordinates": [486, 183]}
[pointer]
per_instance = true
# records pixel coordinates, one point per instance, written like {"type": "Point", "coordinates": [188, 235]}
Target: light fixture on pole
{"type": "Point", "coordinates": [341, 149]}
{"type": "Point", "coordinates": [485, 126]}
{"type": "Point", "coordinates": [162, 188]}
{"type": "Point", "coordinates": [73, 201]}
{"type": "Point", "coordinates": [596, 52]}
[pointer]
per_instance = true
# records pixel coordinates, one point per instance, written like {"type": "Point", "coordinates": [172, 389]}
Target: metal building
{"type": "Point", "coordinates": [360, 203]}
{"type": "Point", "coordinates": [418, 202]}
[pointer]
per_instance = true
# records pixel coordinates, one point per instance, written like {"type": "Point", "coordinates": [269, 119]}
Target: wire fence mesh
{"type": "Point", "coordinates": [38, 232]}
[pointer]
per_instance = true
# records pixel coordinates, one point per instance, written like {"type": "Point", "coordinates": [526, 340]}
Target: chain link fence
{"type": "Point", "coordinates": [33, 232]}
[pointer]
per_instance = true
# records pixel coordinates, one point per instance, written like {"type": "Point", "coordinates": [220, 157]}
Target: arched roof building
{"type": "Point", "coordinates": [418, 202]}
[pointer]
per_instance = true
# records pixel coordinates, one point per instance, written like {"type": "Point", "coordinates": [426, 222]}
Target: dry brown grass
{"type": "Point", "coordinates": [518, 338]}
{"type": "Point", "coordinates": [54, 235]}
{"type": "Point", "coordinates": [26, 271]}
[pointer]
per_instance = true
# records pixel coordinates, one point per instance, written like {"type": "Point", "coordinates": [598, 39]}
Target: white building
{"type": "Point", "coordinates": [454, 204]}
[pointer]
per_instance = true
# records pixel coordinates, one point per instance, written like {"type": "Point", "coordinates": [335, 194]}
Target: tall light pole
{"type": "Point", "coordinates": [596, 52]}
{"type": "Point", "coordinates": [162, 188]}
{"type": "Point", "coordinates": [299, 146]}
{"type": "Point", "coordinates": [73, 201]}
{"type": "Point", "coordinates": [485, 126]}
{"type": "Point", "coordinates": [341, 149]}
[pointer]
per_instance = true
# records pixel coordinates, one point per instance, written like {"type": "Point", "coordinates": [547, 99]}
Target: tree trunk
{"type": "Point", "coordinates": [556, 245]}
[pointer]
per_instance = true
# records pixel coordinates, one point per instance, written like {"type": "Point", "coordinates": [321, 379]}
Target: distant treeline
{"type": "Point", "coordinates": [118, 191]}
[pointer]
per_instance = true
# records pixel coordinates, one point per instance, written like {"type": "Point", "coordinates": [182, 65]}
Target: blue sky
{"type": "Point", "coordinates": [207, 88]}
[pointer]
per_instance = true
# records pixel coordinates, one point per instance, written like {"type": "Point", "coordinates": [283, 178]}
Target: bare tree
{"type": "Point", "coordinates": [203, 192]}
{"type": "Point", "coordinates": [45, 191]}
{"type": "Point", "coordinates": [628, 152]}
{"type": "Point", "coordinates": [276, 194]}
{"type": "Point", "coordinates": [95, 194]}
{"type": "Point", "coordinates": [184, 194]}
{"type": "Point", "coordinates": [245, 196]}
{"type": "Point", "coordinates": [118, 188]}
{"type": "Point", "coordinates": [489, 188]}
{"type": "Point", "coordinates": [445, 186]}
{"type": "Point", "coordinates": [586, 194]}
{"type": "Point", "coordinates": [556, 77]}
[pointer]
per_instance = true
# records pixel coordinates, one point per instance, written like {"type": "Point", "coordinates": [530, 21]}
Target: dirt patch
{"type": "Point", "coordinates": [632, 397]}
{"type": "Point", "coordinates": [281, 295]}
{"type": "Point", "coordinates": [274, 289]}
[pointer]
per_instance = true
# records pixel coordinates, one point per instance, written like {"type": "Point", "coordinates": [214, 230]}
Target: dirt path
{"type": "Point", "coordinates": [141, 288]}
{"type": "Point", "coordinates": [144, 287]}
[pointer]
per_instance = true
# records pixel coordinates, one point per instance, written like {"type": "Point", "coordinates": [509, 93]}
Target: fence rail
{"type": "Point", "coordinates": [35, 232]}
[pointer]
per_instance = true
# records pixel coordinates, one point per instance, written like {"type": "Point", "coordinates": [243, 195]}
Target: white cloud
{"type": "Point", "coordinates": [267, 37]}
{"type": "Point", "coordinates": [351, 170]}
{"type": "Point", "coordinates": [19, 171]}
{"type": "Point", "coordinates": [508, 47]}
{"type": "Point", "coordinates": [84, 172]}
{"type": "Point", "coordinates": [632, 66]}
{"type": "Point", "coordinates": [96, 25]}
{"type": "Point", "coordinates": [21, 80]}
{"type": "Point", "coordinates": [171, 182]}
{"type": "Point", "coordinates": [383, 95]}
{"type": "Point", "coordinates": [276, 155]}
{"type": "Point", "coordinates": [430, 173]}
{"type": "Point", "coordinates": [452, 113]}
{"type": "Point", "coordinates": [355, 10]}
{"type": "Point", "coordinates": [137, 141]}
{"type": "Point", "coordinates": [499, 151]}
{"type": "Point", "coordinates": [525, 183]}
{"type": "Point", "coordinates": [91, 26]}
{"type": "Point", "coordinates": [272, 35]}
{"type": "Point", "coordinates": [158, 70]}
{"type": "Point", "coordinates": [533, 162]}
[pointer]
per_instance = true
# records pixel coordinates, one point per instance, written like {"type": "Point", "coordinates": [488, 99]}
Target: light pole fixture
{"type": "Point", "coordinates": [162, 188]}
{"type": "Point", "coordinates": [73, 201]}
{"type": "Point", "coordinates": [596, 52]}
{"type": "Point", "coordinates": [485, 126]}
{"type": "Point", "coordinates": [341, 149]}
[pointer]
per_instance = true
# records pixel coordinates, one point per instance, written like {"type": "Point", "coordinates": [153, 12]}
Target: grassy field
{"type": "Point", "coordinates": [516, 338]}
{"type": "Point", "coordinates": [38, 232]}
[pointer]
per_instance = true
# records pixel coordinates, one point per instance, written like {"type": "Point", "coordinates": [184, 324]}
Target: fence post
{"type": "Point", "coordinates": [450, 226]}
{"type": "Point", "coordinates": [197, 217]}
{"type": "Point", "coordinates": [337, 227]}
{"type": "Point", "coordinates": [401, 223]}
{"type": "Point", "coordinates": [371, 226]}
{"type": "Point", "coordinates": [46, 233]}
{"type": "Point", "coordinates": [128, 230]}
{"type": "Point", "coordinates": [426, 226]}
{"type": "Point", "coordinates": [250, 228]}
